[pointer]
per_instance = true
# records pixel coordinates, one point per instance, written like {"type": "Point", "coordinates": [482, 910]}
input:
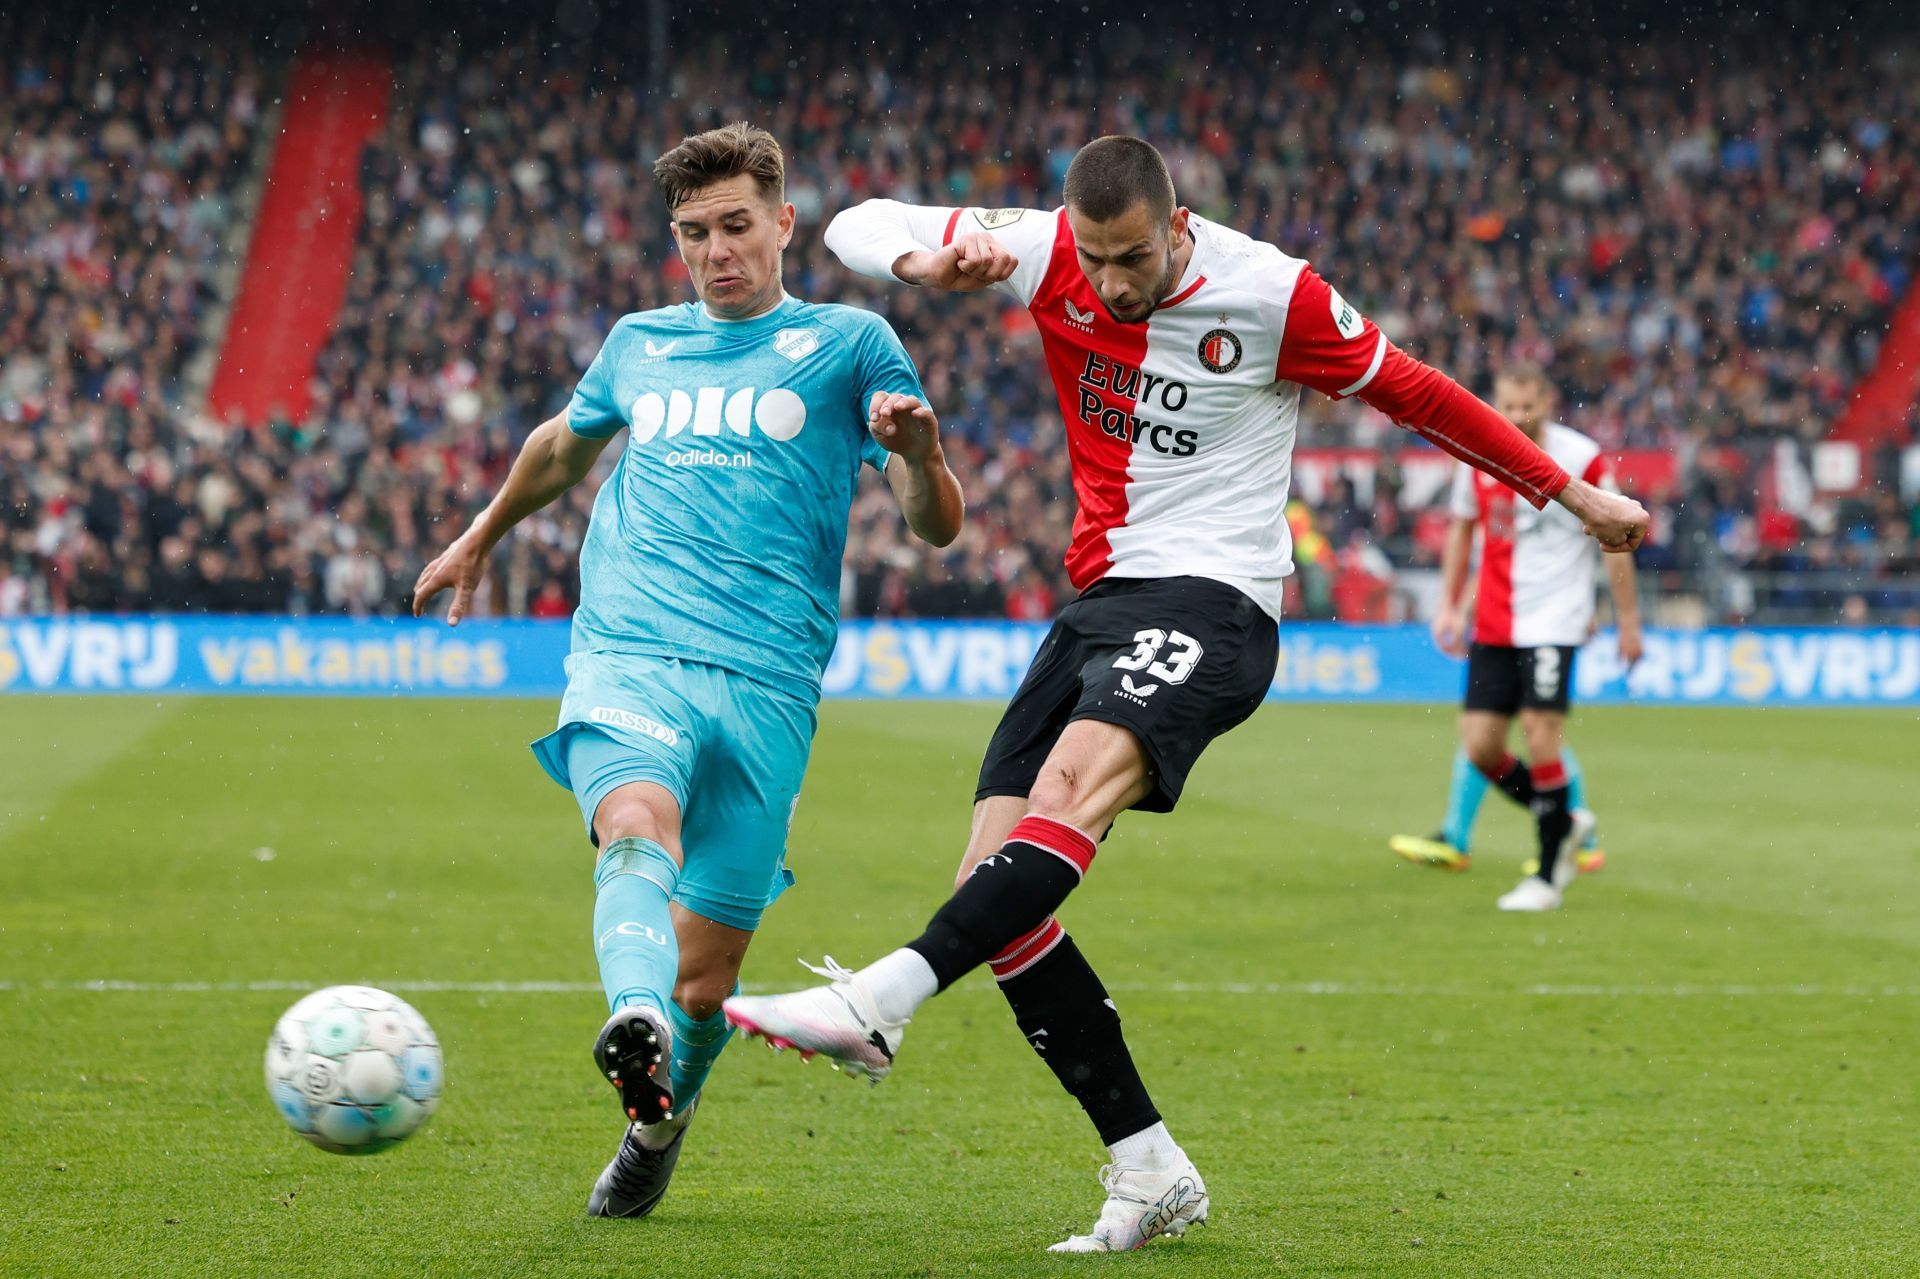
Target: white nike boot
{"type": "Point", "coordinates": [1142, 1203]}
{"type": "Point", "coordinates": [1536, 894]}
{"type": "Point", "coordinates": [839, 1020]}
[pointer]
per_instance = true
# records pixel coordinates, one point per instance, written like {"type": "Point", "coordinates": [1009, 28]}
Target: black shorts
{"type": "Point", "coordinates": [1509, 680]}
{"type": "Point", "coordinates": [1175, 660]}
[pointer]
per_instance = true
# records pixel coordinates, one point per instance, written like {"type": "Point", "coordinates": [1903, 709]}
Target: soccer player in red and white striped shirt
{"type": "Point", "coordinates": [1177, 348]}
{"type": "Point", "coordinates": [1534, 609]}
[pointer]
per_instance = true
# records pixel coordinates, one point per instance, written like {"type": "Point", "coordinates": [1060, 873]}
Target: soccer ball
{"type": "Point", "coordinates": [354, 1070]}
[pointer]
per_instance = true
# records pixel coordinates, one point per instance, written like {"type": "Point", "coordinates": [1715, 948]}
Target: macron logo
{"type": "Point", "coordinates": [1082, 320]}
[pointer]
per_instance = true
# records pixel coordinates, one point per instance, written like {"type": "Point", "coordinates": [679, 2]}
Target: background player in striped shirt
{"type": "Point", "coordinates": [1177, 348]}
{"type": "Point", "coordinates": [1533, 610]}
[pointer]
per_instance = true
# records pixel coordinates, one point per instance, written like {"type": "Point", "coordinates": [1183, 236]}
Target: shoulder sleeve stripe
{"type": "Point", "coordinates": [1379, 354]}
{"type": "Point", "coordinates": [952, 222]}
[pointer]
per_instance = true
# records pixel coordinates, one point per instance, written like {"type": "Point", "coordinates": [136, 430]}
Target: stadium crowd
{"type": "Point", "coordinates": [1703, 244]}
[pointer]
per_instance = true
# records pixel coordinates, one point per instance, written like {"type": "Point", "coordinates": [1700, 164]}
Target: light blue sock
{"type": "Point", "coordinates": [1576, 786]}
{"type": "Point", "coordinates": [632, 926]}
{"type": "Point", "coordinates": [696, 1046]}
{"type": "Point", "coordinates": [1468, 788]}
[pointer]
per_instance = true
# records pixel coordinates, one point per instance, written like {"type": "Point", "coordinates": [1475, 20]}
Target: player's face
{"type": "Point", "coordinates": [1523, 403]}
{"type": "Point", "coordinates": [1131, 260]}
{"type": "Point", "coordinates": [731, 237]}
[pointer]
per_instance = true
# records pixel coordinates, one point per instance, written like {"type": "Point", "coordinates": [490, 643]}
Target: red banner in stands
{"type": "Point", "coordinates": [303, 237]}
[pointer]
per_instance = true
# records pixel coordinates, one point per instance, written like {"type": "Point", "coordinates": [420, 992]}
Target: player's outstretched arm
{"type": "Point", "coordinates": [1432, 404]}
{"type": "Point", "coordinates": [928, 493]}
{"type": "Point", "coordinates": [886, 239]}
{"type": "Point", "coordinates": [553, 460]}
{"type": "Point", "coordinates": [1327, 345]}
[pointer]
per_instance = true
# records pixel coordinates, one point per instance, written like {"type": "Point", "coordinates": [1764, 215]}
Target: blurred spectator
{"type": "Point", "coordinates": [1702, 242]}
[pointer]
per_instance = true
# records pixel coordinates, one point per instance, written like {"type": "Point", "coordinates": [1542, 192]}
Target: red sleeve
{"type": "Point", "coordinates": [1337, 351]}
{"type": "Point", "coordinates": [1326, 343]}
{"type": "Point", "coordinates": [1433, 405]}
{"type": "Point", "coordinates": [1600, 473]}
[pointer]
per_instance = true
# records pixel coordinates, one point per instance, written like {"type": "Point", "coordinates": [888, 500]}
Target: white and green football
{"type": "Point", "coordinates": [354, 1070]}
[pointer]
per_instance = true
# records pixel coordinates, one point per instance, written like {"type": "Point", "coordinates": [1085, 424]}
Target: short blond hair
{"type": "Point", "coordinates": [1525, 373]}
{"type": "Point", "coordinates": [719, 154]}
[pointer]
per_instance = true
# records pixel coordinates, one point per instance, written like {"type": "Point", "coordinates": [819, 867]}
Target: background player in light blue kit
{"type": "Point", "coordinates": [709, 583]}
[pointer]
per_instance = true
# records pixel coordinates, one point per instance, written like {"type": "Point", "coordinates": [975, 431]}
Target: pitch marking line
{"type": "Point", "coordinates": [1305, 988]}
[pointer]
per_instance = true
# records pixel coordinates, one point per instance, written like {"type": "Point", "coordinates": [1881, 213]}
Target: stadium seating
{"type": "Point", "coordinates": [1707, 272]}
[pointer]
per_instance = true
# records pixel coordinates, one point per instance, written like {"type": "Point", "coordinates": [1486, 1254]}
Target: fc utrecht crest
{"type": "Point", "coordinates": [796, 344]}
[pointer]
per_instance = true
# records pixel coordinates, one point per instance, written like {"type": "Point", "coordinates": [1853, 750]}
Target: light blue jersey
{"type": "Point", "coordinates": [719, 536]}
{"type": "Point", "coordinates": [709, 585]}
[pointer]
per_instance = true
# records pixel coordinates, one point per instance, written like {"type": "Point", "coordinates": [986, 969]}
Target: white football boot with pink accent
{"type": "Point", "coordinates": [839, 1021]}
{"type": "Point", "coordinates": [1141, 1204]}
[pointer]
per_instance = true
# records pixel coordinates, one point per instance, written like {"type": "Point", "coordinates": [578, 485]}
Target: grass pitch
{"type": "Point", "coordinates": [1705, 1065]}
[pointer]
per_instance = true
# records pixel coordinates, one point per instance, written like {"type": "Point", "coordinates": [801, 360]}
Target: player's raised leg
{"type": "Point", "coordinates": [756, 740]}
{"type": "Point", "coordinates": [637, 826]}
{"type": "Point", "coordinates": [636, 1179]}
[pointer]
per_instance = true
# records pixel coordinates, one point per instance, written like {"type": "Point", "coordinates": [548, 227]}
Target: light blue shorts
{"type": "Point", "coordinates": [731, 750]}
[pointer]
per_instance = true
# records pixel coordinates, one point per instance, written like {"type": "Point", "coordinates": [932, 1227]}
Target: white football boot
{"type": "Point", "coordinates": [1142, 1204]}
{"type": "Point", "coordinates": [838, 1020]}
{"type": "Point", "coordinates": [1531, 893]}
{"type": "Point", "coordinates": [1536, 894]}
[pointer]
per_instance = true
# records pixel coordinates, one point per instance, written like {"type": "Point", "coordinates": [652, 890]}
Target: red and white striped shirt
{"type": "Point", "coordinates": [1537, 568]}
{"type": "Point", "coordinates": [1181, 429]}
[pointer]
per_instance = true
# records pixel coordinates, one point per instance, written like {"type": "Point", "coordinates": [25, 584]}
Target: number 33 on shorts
{"type": "Point", "coordinates": [1182, 655]}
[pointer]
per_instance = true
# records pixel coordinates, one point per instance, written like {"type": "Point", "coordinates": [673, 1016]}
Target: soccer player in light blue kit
{"type": "Point", "coordinates": [708, 607]}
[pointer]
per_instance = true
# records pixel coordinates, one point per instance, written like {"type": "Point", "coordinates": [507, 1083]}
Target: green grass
{"type": "Point", "coordinates": [1705, 1065]}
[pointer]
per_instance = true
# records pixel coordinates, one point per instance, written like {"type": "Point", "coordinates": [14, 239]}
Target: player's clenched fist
{"type": "Point", "coordinates": [1614, 520]}
{"type": "Point", "coordinates": [902, 424]}
{"type": "Point", "coordinates": [972, 262]}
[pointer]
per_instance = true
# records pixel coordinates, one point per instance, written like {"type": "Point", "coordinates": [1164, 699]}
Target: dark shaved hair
{"type": "Point", "coordinates": [719, 154]}
{"type": "Point", "coordinates": [1110, 175]}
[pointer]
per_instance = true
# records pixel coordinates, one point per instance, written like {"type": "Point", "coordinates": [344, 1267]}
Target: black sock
{"type": "Point", "coordinates": [1065, 1013]}
{"type": "Point", "coordinates": [1512, 778]}
{"type": "Point", "coordinates": [1007, 897]}
{"type": "Point", "coordinates": [1555, 817]}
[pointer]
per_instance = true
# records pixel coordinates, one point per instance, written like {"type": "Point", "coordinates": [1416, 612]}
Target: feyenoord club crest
{"type": "Point", "coordinates": [1220, 351]}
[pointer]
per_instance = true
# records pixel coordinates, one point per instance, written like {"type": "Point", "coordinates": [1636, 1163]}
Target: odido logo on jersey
{"type": "Point", "coordinates": [711, 411]}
